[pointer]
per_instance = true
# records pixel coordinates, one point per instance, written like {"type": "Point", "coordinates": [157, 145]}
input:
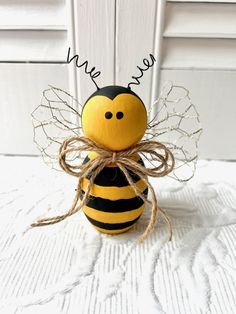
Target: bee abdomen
{"type": "Point", "coordinates": [113, 206]}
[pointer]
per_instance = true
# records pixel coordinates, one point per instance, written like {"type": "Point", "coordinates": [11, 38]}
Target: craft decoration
{"type": "Point", "coordinates": [113, 128]}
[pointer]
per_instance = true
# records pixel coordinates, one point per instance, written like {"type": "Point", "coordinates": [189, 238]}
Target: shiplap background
{"type": "Point", "coordinates": [194, 42]}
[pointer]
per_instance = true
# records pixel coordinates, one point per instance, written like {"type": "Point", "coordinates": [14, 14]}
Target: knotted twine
{"type": "Point", "coordinates": [125, 161]}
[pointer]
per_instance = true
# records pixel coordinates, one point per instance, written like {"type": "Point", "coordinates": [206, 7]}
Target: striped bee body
{"type": "Point", "coordinates": [112, 206]}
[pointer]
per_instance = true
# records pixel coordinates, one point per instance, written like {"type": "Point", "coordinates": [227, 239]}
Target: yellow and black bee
{"type": "Point", "coordinates": [116, 118]}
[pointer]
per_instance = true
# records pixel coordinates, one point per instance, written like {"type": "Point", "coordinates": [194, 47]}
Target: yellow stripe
{"type": "Point", "coordinates": [113, 217]}
{"type": "Point", "coordinates": [113, 193]}
{"type": "Point", "coordinates": [112, 231]}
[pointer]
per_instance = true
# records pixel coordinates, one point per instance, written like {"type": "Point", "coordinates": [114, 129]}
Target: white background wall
{"type": "Point", "coordinates": [194, 42]}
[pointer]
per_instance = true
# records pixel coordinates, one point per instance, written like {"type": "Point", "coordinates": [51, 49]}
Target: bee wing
{"type": "Point", "coordinates": [176, 125]}
{"type": "Point", "coordinates": [57, 117]}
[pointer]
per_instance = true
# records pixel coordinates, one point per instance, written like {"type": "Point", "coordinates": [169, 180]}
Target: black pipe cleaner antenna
{"type": "Point", "coordinates": [148, 64]}
{"type": "Point", "coordinates": [91, 72]}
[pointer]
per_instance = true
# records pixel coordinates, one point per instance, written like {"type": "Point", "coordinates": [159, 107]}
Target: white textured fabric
{"type": "Point", "coordinates": [71, 268]}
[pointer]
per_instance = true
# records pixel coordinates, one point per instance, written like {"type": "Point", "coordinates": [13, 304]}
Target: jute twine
{"type": "Point", "coordinates": [125, 161]}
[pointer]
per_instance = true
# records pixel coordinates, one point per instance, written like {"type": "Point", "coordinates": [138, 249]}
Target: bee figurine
{"type": "Point", "coordinates": [116, 118]}
{"type": "Point", "coordinates": [113, 185]}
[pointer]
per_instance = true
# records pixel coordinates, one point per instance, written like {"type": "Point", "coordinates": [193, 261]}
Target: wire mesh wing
{"type": "Point", "coordinates": [56, 118]}
{"type": "Point", "coordinates": [176, 124]}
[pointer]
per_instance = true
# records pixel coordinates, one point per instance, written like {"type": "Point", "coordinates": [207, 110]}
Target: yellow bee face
{"type": "Point", "coordinates": [114, 117]}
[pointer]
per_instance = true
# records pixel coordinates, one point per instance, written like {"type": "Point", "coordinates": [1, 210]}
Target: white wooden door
{"type": "Point", "coordinates": [193, 41]}
{"type": "Point", "coordinates": [199, 51]}
{"type": "Point", "coordinates": [33, 44]}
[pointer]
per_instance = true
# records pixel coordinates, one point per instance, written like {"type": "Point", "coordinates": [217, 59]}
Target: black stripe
{"type": "Point", "coordinates": [119, 206]}
{"type": "Point", "coordinates": [108, 226]}
{"type": "Point", "coordinates": [113, 176]}
{"type": "Point", "coordinates": [112, 91]}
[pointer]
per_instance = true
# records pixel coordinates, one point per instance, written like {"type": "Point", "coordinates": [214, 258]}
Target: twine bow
{"type": "Point", "coordinates": [125, 161]}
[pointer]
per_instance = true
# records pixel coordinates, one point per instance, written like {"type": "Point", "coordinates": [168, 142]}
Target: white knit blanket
{"type": "Point", "coordinates": [72, 268]}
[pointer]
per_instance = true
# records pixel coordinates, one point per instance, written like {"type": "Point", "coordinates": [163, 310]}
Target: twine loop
{"type": "Point", "coordinates": [114, 157]}
{"type": "Point", "coordinates": [126, 162]}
